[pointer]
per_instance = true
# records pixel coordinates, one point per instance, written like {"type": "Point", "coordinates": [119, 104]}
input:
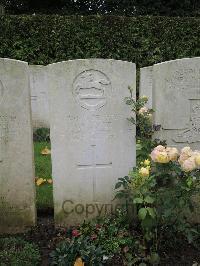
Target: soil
{"type": "Point", "coordinates": [47, 237]}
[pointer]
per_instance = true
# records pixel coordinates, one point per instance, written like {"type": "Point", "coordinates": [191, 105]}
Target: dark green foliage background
{"type": "Point", "coordinates": [170, 8]}
{"type": "Point", "coordinates": [44, 39]}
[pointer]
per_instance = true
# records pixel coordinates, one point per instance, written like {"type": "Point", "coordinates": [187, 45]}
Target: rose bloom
{"type": "Point", "coordinates": [160, 148]}
{"type": "Point", "coordinates": [189, 164]}
{"type": "Point", "coordinates": [144, 171]}
{"type": "Point", "coordinates": [183, 157]}
{"type": "Point", "coordinates": [172, 153]}
{"type": "Point", "coordinates": [162, 157]}
{"type": "Point", "coordinates": [186, 153]}
{"type": "Point", "coordinates": [144, 97]}
{"type": "Point", "coordinates": [156, 151]}
{"type": "Point", "coordinates": [149, 116]}
{"type": "Point", "coordinates": [154, 155]}
{"type": "Point", "coordinates": [197, 159]}
{"type": "Point", "coordinates": [147, 162]}
{"type": "Point", "coordinates": [187, 150]}
{"type": "Point", "coordinates": [75, 233]}
{"type": "Point", "coordinates": [143, 110]}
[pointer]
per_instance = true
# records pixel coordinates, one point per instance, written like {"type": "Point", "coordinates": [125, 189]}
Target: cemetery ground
{"type": "Point", "coordinates": [36, 246]}
{"type": "Point", "coordinates": [156, 225]}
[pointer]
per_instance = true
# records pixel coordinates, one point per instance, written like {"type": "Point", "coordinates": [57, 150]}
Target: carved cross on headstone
{"type": "Point", "coordinates": [94, 166]}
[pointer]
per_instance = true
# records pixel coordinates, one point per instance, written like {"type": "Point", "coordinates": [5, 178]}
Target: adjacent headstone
{"type": "Point", "coordinates": [17, 195]}
{"type": "Point", "coordinates": [93, 143]}
{"type": "Point", "coordinates": [145, 88]}
{"type": "Point", "coordinates": [176, 101]}
{"type": "Point", "coordinates": [39, 101]}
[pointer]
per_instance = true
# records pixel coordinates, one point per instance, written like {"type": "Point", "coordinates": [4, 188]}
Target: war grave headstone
{"type": "Point", "coordinates": [93, 143]}
{"type": "Point", "coordinates": [176, 101]}
{"type": "Point", "coordinates": [17, 188]}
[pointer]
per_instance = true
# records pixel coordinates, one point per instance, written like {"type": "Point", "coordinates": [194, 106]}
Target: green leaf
{"type": "Point", "coordinates": [138, 200]}
{"type": "Point", "coordinates": [118, 185]}
{"type": "Point", "coordinates": [149, 199]}
{"type": "Point", "coordinates": [151, 212]}
{"type": "Point", "coordinates": [142, 213]}
{"type": "Point", "coordinates": [138, 147]}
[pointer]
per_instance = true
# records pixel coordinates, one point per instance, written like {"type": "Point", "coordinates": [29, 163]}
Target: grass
{"type": "Point", "coordinates": [44, 192]}
{"type": "Point", "coordinates": [16, 251]}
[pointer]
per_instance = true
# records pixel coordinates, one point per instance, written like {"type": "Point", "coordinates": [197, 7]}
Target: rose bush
{"type": "Point", "coordinates": [161, 189]}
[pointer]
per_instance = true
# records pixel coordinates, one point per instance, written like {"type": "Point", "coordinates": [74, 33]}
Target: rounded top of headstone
{"type": "Point", "coordinates": [180, 60]}
{"type": "Point", "coordinates": [91, 60]}
{"type": "Point", "coordinates": [14, 61]}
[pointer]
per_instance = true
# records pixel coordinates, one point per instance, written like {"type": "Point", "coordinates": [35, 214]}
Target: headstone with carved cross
{"type": "Point", "coordinates": [93, 143]}
{"type": "Point", "coordinates": [176, 101]}
{"type": "Point", "coordinates": [17, 195]}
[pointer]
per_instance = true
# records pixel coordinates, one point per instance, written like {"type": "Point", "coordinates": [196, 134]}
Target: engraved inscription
{"type": "Point", "coordinates": [34, 98]}
{"type": "Point", "coordinates": [94, 166]}
{"type": "Point", "coordinates": [91, 88]}
{"type": "Point", "coordinates": [3, 136]}
{"type": "Point", "coordinates": [1, 91]}
{"type": "Point", "coordinates": [5, 132]}
{"type": "Point", "coordinates": [184, 75]}
{"type": "Point", "coordinates": [98, 124]}
{"type": "Point", "coordinates": [192, 133]}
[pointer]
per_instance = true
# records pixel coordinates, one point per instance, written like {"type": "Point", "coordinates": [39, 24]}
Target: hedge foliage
{"type": "Point", "coordinates": [170, 8]}
{"type": "Point", "coordinates": [43, 39]}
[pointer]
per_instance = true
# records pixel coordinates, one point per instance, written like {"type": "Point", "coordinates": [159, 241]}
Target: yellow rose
{"type": "Point", "coordinates": [147, 162]}
{"type": "Point", "coordinates": [149, 116]}
{"type": "Point", "coordinates": [144, 97]}
{"type": "Point", "coordinates": [160, 148]}
{"type": "Point", "coordinates": [162, 157]}
{"type": "Point", "coordinates": [172, 153]}
{"type": "Point", "coordinates": [143, 110]}
{"type": "Point", "coordinates": [187, 150]}
{"type": "Point", "coordinates": [189, 164]}
{"type": "Point", "coordinates": [197, 159]}
{"type": "Point", "coordinates": [144, 171]}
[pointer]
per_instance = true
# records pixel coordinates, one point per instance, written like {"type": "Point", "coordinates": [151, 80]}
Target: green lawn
{"type": "Point", "coordinates": [44, 192]}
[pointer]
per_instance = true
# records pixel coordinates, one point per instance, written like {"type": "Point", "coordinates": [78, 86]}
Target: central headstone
{"type": "Point", "coordinates": [176, 101]}
{"type": "Point", "coordinates": [93, 143]}
{"type": "Point", "coordinates": [17, 187]}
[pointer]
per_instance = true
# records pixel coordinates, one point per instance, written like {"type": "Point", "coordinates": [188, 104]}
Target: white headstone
{"type": "Point", "coordinates": [176, 101]}
{"type": "Point", "coordinates": [17, 194]}
{"type": "Point", "coordinates": [39, 101]}
{"type": "Point", "coordinates": [145, 88]}
{"type": "Point", "coordinates": [93, 143]}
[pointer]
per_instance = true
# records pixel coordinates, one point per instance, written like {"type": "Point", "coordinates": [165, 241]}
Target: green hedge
{"type": "Point", "coordinates": [43, 39]}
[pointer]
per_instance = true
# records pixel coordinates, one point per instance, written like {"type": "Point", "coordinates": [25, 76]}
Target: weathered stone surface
{"type": "Point", "coordinates": [17, 195]}
{"type": "Point", "coordinates": [146, 80]}
{"type": "Point", "coordinates": [93, 143]}
{"type": "Point", "coordinates": [176, 101]}
{"type": "Point", "coordinates": [39, 101]}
